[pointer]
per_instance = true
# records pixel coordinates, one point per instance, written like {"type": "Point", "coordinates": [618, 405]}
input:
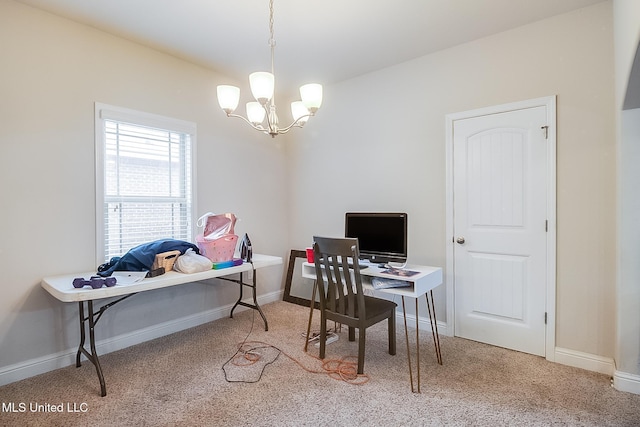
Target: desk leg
{"type": "Point", "coordinates": [434, 330]}
{"type": "Point", "coordinates": [406, 337]}
{"type": "Point", "coordinates": [418, 344]}
{"type": "Point", "coordinates": [434, 325]}
{"type": "Point", "coordinates": [255, 305]}
{"type": "Point", "coordinates": [93, 355]}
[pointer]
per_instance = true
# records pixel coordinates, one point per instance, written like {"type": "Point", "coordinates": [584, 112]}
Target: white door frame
{"type": "Point", "coordinates": [550, 104]}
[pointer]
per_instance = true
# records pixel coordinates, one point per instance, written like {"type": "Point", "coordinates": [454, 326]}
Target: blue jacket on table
{"type": "Point", "coordinates": [142, 257]}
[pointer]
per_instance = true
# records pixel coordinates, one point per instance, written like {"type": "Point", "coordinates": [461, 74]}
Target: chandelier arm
{"type": "Point", "coordinates": [258, 127]}
{"type": "Point", "coordinates": [296, 123]}
{"type": "Point", "coordinates": [270, 130]}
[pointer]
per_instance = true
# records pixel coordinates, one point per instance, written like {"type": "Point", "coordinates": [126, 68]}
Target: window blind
{"type": "Point", "coordinates": [147, 188]}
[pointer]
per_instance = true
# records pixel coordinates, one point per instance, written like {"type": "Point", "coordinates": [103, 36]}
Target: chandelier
{"type": "Point", "coordinates": [262, 85]}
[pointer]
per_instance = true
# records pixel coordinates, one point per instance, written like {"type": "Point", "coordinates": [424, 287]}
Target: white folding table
{"type": "Point", "coordinates": [61, 287]}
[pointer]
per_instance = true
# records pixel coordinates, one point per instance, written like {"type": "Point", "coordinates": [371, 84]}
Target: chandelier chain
{"type": "Point", "coordinates": [272, 41]}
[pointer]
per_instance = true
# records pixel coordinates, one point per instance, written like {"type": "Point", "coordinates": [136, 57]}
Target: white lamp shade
{"type": "Point", "coordinates": [228, 98]}
{"type": "Point", "coordinates": [311, 95]}
{"type": "Point", "coordinates": [262, 86]}
{"type": "Point", "coordinates": [298, 110]}
{"type": "Point", "coordinates": [255, 112]}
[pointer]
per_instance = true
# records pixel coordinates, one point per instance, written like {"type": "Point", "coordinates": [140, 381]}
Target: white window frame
{"type": "Point", "coordinates": [105, 112]}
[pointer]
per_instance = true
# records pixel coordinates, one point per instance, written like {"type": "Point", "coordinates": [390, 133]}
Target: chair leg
{"type": "Point", "coordinates": [392, 333]}
{"type": "Point", "coordinates": [352, 333]}
{"type": "Point", "coordinates": [312, 306]}
{"type": "Point", "coordinates": [361, 346]}
{"type": "Point", "coordinates": [323, 335]}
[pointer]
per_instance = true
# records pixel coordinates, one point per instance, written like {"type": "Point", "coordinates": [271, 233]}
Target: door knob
{"type": "Point", "coordinates": [460, 240]}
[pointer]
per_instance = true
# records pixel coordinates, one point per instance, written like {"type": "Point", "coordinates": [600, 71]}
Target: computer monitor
{"type": "Point", "coordinates": [382, 236]}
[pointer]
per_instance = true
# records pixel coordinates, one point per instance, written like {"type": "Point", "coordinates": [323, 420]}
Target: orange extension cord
{"type": "Point", "coordinates": [339, 369]}
{"type": "Point", "coordinates": [344, 369]}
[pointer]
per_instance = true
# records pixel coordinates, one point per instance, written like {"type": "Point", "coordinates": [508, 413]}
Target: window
{"type": "Point", "coordinates": [144, 183]}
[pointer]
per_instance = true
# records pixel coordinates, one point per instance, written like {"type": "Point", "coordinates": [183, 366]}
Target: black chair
{"type": "Point", "coordinates": [341, 297]}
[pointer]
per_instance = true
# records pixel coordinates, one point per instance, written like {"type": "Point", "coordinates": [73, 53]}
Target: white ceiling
{"type": "Point", "coordinates": [322, 41]}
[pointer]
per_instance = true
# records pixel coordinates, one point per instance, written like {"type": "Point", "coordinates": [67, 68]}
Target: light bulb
{"type": "Point", "coordinates": [228, 98]}
{"type": "Point", "coordinates": [262, 86]}
{"type": "Point", "coordinates": [299, 110]}
{"type": "Point", "coordinates": [311, 95]}
{"type": "Point", "coordinates": [255, 112]}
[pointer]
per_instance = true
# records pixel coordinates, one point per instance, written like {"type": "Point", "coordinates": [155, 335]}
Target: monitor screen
{"type": "Point", "coordinates": [382, 237]}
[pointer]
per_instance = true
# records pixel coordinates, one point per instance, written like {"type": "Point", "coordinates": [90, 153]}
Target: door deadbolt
{"type": "Point", "coordinates": [460, 240]}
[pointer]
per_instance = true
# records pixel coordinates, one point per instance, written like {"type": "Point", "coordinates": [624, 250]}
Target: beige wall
{"type": "Point", "coordinates": [53, 70]}
{"type": "Point", "coordinates": [379, 144]}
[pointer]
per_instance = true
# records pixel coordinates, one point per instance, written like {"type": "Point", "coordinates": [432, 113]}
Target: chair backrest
{"type": "Point", "coordinates": [342, 292]}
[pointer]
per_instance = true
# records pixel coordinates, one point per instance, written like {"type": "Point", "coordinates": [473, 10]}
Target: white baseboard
{"type": "Point", "coordinates": [590, 362]}
{"type": "Point", "coordinates": [624, 381]}
{"type": "Point", "coordinates": [40, 365]}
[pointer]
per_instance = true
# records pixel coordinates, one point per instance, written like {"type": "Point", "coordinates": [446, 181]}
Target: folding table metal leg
{"type": "Point", "coordinates": [92, 318]}
{"type": "Point", "coordinates": [93, 355]}
{"type": "Point", "coordinates": [255, 305]}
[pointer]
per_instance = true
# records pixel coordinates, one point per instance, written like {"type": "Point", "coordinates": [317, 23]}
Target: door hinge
{"type": "Point", "coordinates": [546, 225]}
{"type": "Point", "coordinates": [545, 129]}
{"type": "Point", "coordinates": [545, 317]}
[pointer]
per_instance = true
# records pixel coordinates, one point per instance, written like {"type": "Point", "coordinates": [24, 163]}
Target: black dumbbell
{"type": "Point", "coordinates": [95, 282]}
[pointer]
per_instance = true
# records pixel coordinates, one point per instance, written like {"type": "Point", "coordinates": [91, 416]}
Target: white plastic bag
{"type": "Point", "coordinates": [191, 262]}
{"type": "Point", "coordinates": [217, 225]}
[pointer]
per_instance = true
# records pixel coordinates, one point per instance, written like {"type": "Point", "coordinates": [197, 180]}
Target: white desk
{"type": "Point", "coordinates": [61, 287]}
{"type": "Point", "coordinates": [423, 283]}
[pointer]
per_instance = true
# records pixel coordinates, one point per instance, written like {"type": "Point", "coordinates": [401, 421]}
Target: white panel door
{"type": "Point", "coordinates": [499, 205]}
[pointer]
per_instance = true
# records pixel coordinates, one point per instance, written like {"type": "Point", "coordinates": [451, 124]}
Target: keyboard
{"type": "Point", "coordinates": [362, 266]}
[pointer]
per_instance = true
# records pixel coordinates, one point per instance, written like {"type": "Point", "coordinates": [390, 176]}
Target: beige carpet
{"type": "Point", "coordinates": [180, 380]}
